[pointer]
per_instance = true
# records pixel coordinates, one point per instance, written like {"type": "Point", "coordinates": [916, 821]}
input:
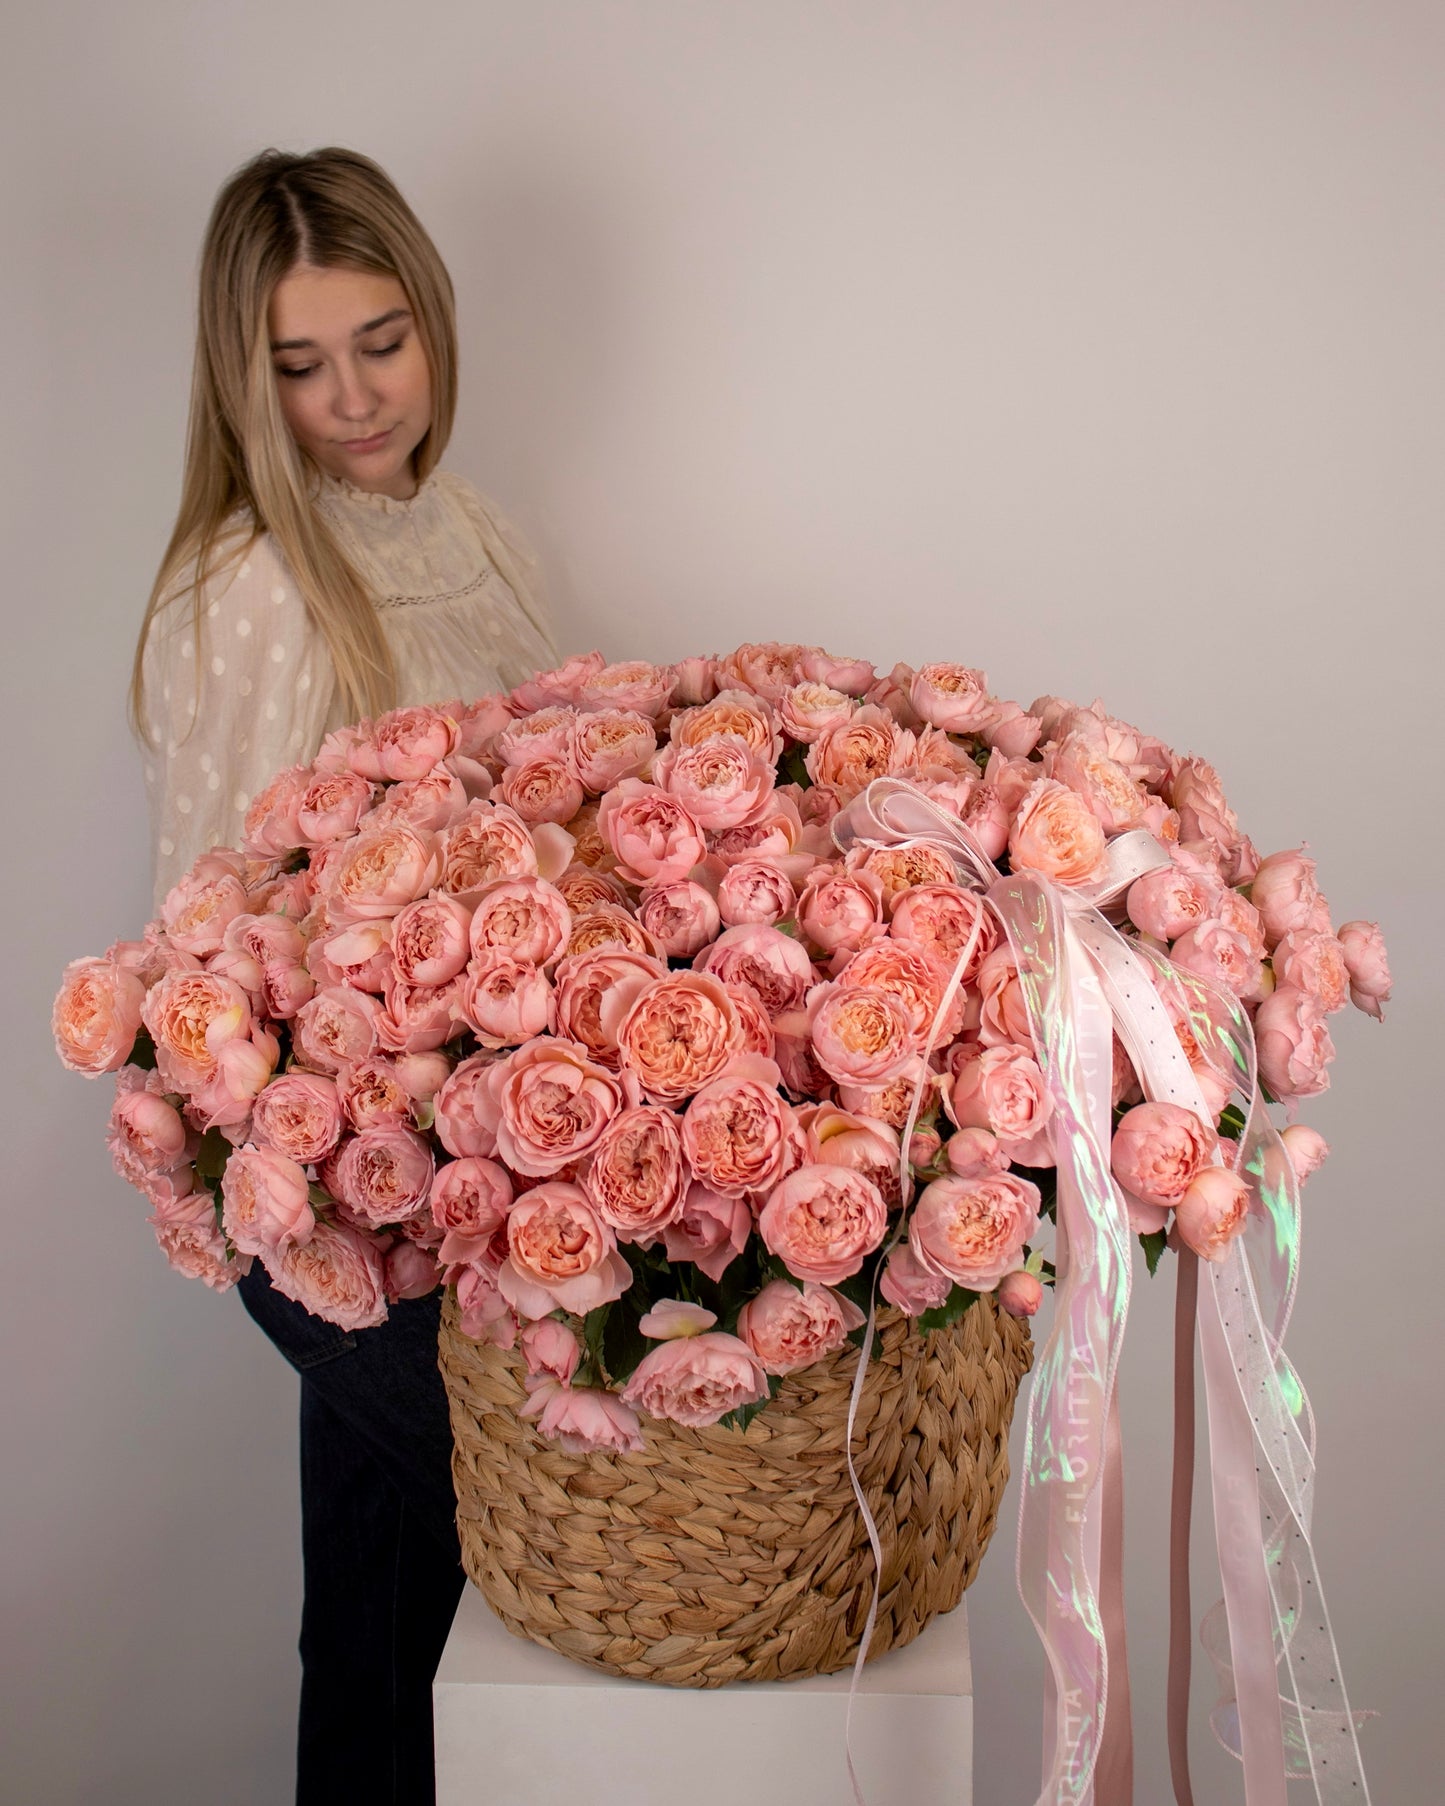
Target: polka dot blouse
{"type": "Point", "coordinates": [462, 607]}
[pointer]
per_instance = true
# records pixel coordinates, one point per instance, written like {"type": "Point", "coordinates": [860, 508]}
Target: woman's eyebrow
{"type": "Point", "coordinates": [397, 313]}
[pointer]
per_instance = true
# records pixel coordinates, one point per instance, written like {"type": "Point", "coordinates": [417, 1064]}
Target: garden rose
{"type": "Point", "coordinates": [1057, 835]}
{"type": "Point", "coordinates": [1219, 954]}
{"type": "Point", "coordinates": [682, 917]}
{"type": "Point", "coordinates": [787, 1329]}
{"type": "Point", "coordinates": [754, 890]}
{"type": "Point", "coordinates": [550, 1350]}
{"type": "Point", "coordinates": [973, 1231]}
{"type": "Point", "coordinates": [776, 967]}
{"type": "Point", "coordinates": [861, 1035]}
{"type": "Point", "coordinates": [839, 911]}
{"type": "Point", "coordinates": [299, 1115]}
{"type": "Point", "coordinates": [1285, 892]}
{"type": "Point", "coordinates": [199, 908]}
{"type": "Point", "coordinates": [507, 1000]}
{"type": "Point", "coordinates": [822, 1220]}
{"type": "Point", "coordinates": [146, 1135]}
{"type": "Point", "coordinates": [910, 1287]}
{"type": "Point", "coordinates": [403, 743]}
{"type": "Point", "coordinates": [952, 697]}
{"type": "Point", "coordinates": [1212, 1211]}
{"type": "Point", "coordinates": [1020, 1293]}
{"type": "Point", "coordinates": [1293, 1043]}
{"type": "Point", "coordinates": [1168, 902]}
{"type": "Point", "coordinates": [550, 1104]}
{"type": "Point", "coordinates": [1367, 966]}
{"type": "Point", "coordinates": [187, 1235]}
{"type": "Point", "coordinates": [806, 709]}
{"type": "Point", "coordinates": [730, 712]}
{"type": "Point", "coordinates": [266, 1201]}
{"type": "Point", "coordinates": [1116, 801]}
{"type": "Point", "coordinates": [695, 1380]}
{"type": "Point", "coordinates": [1158, 1149]}
{"type": "Point", "coordinates": [637, 1175]}
{"type": "Point", "coordinates": [973, 1151]}
{"type": "Point", "coordinates": [545, 734]}
{"type": "Point", "coordinates": [632, 684]}
{"type": "Point", "coordinates": [380, 870]}
{"type": "Point", "coordinates": [527, 917]}
{"type": "Point", "coordinates": [1315, 963]}
{"type": "Point", "coordinates": [544, 789]}
{"type": "Point", "coordinates": [371, 1093]}
{"type": "Point", "coordinates": [331, 807]}
{"type": "Point", "coordinates": [469, 1201]}
{"type": "Point", "coordinates": [96, 1014]}
{"type": "Point", "coordinates": [594, 992]}
{"type": "Point", "coordinates": [190, 1016]}
{"type": "Point", "coordinates": [1001, 1088]}
{"type": "Point", "coordinates": [410, 1271]}
{"type": "Point", "coordinates": [336, 1273]}
{"type": "Point", "coordinates": [583, 1420]}
{"type": "Point", "coordinates": [384, 1175]}
{"type": "Point", "coordinates": [560, 1253]}
{"type": "Point", "coordinates": [489, 843]}
{"type": "Point", "coordinates": [709, 1230]}
{"type": "Point", "coordinates": [429, 940]}
{"type": "Point", "coordinates": [651, 834]}
{"type": "Point", "coordinates": [853, 676]}
{"type": "Point", "coordinates": [1307, 1149]}
{"type": "Point", "coordinates": [737, 1132]}
{"type": "Point", "coordinates": [679, 1033]}
{"type": "Point", "coordinates": [939, 920]}
{"type": "Point", "coordinates": [720, 782]}
{"type": "Point", "coordinates": [609, 745]}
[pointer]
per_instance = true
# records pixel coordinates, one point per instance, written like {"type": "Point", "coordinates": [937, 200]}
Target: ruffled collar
{"type": "Point", "coordinates": [338, 489]}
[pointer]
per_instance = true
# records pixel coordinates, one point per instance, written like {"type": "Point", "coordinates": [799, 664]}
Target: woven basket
{"type": "Point", "coordinates": [724, 1555]}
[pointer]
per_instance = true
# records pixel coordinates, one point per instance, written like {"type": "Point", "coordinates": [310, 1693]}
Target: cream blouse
{"type": "Point", "coordinates": [461, 604]}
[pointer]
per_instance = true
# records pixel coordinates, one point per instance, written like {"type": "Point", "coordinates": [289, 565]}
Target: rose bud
{"type": "Point", "coordinates": [1020, 1293]}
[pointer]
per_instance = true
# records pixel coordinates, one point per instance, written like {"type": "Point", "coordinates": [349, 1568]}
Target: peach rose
{"type": "Point", "coordinates": [560, 1253]}
{"type": "Point", "coordinates": [839, 910]}
{"type": "Point", "coordinates": [1220, 955]}
{"type": "Point", "coordinates": [849, 755]}
{"type": "Point", "coordinates": [488, 844]}
{"type": "Point", "coordinates": [973, 1151]}
{"type": "Point", "coordinates": [939, 920]}
{"type": "Point", "coordinates": [431, 804]}
{"type": "Point", "coordinates": [563, 684]}
{"type": "Point", "coordinates": [853, 676]}
{"type": "Point", "coordinates": [380, 870]}
{"type": "Point", "coordinates": [915, 980]}
{"type": "Point", "coordinates": [337, 1273]}
{"type": "Point", "coordinates": [838, 1137]}
{"type": "Point", "coordinates": [96, 1014]}
{"type": "Point", "coordinates": [822, 1221]}
{"type": "Point", "coordinates": [720, 783]}
{"type": "Point", "coordinates": [806, 709]}
{"type": "Point", "coordinates": [1285, 892]}
{"type": "Point", "coordinates": [429, 940]}
{"type": "Point", "coordinates": [384, 1175]}
{"type": "Point", "coordinates": [1195, 791]}
{"type": "Point", "coordinates": [1307, 1149]}
{"type": "Point", "coordinates": [1367, 966]}
{"type": "Point", "coordinates": [527, 917]}
{"type": "Point", "coordinates": [469, 1202]}
{"type": "Point", "coordinates": [267, 1204]}
{"type": "Point", "coordinates": [550, 1104]}
{"type": "Point", "coordinates": [631, 684]}
{"type": "Point", "coordinates": [1157, 1151]}
{"type": "Point", "coordinates": [910, 1287]}
{"type": "Point", "coordinates": [709, 1230]}
{"type": "Point", "coordinates": [191, 1016]}
{"type": "Point", "coordinates": [594, 992]}
{"type": "Point", "coordinates": [198, 910]}
{"type": "Point", "coordinates": [409, 1271]}
{"type": "Point", "coordinates": [331, 807]}
{"type": "Point", "coordinates": [679, 1033]}
{"type": "Point", "coordinates": [1002, 1089]}
{"type": "Point", "coordinates": [788, 1329]}
{"type": "Point", "coordinates": [899, 869]}
{"type": "Point", "coordinates": [861, 1035]}
{"type": "Point", "coordinates": [582, 889]}
{"type": "Point", "coordinates": [651, 834]}
{"type": "Point", "coordinates": [730, 712]}
{"type": "Point", "coordinates": [1020, 1293]}
{"type": "Point", "coordinates": [299, 1115]}
{"type": "Point", "coordinates": [952, 697]}
{"type": "Point", "coordinates": [1002, 1008]}
{"type": "Point", "coordinates": [270, 828]}
{"type": "Point", "coordinates": [1293, 1043]}
{"type": "Point", "coordinates": [681, 917]}
{"type": "Point", "coordinates": [609, 745]}
{"type": "Point", "coordinates": [695, 680]}
{"type": "Point", "coordinates": [507, 1000]}
{"type": "Point", "coordinates": [737, 1132]}
{"type": "Point", "coordinates": [767, 667]}
{"type": "Point", "coordinates": [608, 925]}
{"type": "Point", "coordinates": [754, 890]}
{"type": "Point", "coordinates": [1315, 963]}
{"type": "Point", "coordinates": [986, 816]}
{"type": "Point", "coordinates": [1168, 902]}
{"type": "Point", "coordinates": [776, 967]}
{"type": "Point", "coordinates": [550, 1350]}
{"type": "Point", "coordinates": [420, 1018]}
{"type": "Point", "coordinates": [973, 1231]}
{"type": "Point", "coordinates": [1212, 1211]}
{"type": "Point", "coordinates": [358, 954]}
{"type": "Point", "coordinates": [1116, 800]}
{"type": "Point", "coordinates": [892, 1103]}
{"type": "Point", "coordinates": [1014, 732]}
{"type": "Point", "coordinates": [403, 743]}
{"type": "Point", "coordinates": [544, 789]}
{"type": "Point", "coordinates": [695, 1380]}
{"type": "Point", "coordinates": [637, 1176]}
{"type": "Point", "coordinates": [544, 734]}
{"type": "Point", "coordinates": [583, 1420]}
{"type": "Point", "coordinates": [371, 1094]}
{"type": "Point", "coordinates": [146, 1134]}
{"type": "Point", "coordinates": [1056, 834]}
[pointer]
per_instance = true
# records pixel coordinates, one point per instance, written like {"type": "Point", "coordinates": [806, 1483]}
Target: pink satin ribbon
{"type": "Point", "coordinates": [1083, 982]}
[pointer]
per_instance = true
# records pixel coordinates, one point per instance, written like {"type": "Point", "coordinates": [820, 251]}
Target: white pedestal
{"type": "Point", "coordinates": [519, 1725]}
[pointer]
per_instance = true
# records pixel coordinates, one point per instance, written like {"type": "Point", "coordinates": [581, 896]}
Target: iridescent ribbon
{"type": "Point", "coordinates": [1081, 982]}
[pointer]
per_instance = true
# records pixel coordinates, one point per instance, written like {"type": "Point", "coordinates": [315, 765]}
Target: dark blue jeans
{"type": "Point", "coordinates": [379, 1547]}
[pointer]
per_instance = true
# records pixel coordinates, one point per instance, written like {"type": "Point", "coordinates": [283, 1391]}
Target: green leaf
{"type": "Point", "coordinates": [740, 1418]}
{"type": "Point", "coordinates": [952, 1308]}
{"type": "Point", "coordinates": [143, 1052]}
{"type": "Point", "coordinates": [792, 770]}
{"type": "Point", "coordinates": [623, 1343]}
{"type": "Point", "coordinates": [594, 1328]}
{"type": "Point", "coordinates": [1231, 1120]}
{"type": "Point", "coordinates": [1153, 1246]}
{"type": "Point", "coordinates": [211, 1160]}
{"type": "Point", "coordinates": [773, 1268]}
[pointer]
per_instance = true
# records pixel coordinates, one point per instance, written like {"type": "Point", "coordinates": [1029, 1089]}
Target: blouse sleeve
{"type": "Point", "coordinates": [508, 549]}
{"type": "Point", "coordinates": [226, 715]}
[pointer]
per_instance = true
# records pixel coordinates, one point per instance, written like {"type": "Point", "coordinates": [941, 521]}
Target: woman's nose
{"type": "Point", "coordinates": [354, 398]}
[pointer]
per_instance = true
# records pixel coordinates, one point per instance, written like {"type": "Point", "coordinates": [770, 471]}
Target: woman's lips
{"type": "Point", "coordinates": [364, 445]}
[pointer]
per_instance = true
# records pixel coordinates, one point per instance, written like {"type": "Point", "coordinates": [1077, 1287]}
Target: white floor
{"type": "Point", "coordinates": [518, 1725]}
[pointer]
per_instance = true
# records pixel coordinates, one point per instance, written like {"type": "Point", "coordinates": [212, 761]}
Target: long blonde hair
{"type": "Point", "coordinates": [326, 208]}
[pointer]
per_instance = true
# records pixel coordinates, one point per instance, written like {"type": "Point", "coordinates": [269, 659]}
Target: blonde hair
{"type": "Point", "coordinates": [327, 208]}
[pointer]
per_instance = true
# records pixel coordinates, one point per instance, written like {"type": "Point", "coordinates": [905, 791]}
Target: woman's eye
{"type": "Point", "coordinates": [306, 369]}
{"type": "Point", "coordinates": [386, 350]}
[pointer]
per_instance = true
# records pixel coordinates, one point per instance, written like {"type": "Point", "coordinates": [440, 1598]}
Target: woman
{"type": "Point", "coordinates": [323, 569]}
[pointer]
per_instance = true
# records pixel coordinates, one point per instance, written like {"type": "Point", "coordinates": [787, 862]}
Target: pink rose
{"type": "Point", "coordinates": [910, 1287]}
{"type": "Point", "coordinates": [331, 807]}
{"type": "Point", "coordinates": [358, 954]}
{"type": "Point", "coordinates": [431, 804]}
{"type": "Point", "coordinates": [899, 869]}
{"type": "Point", "coordinates": [404, 743]}
{"type": "Point", "coordinates": [384, 1175]}
{"type": "Point", "coordinates": [609, 745]}
{"type": "Point", "coordinates": [1168, 902]}
{"type": "Point", "coordinates": [544, 789]}
{"type": "Point", "coordinates": [380, 870]}
{"type": "Point", "coordinates": [973, 1151]}
{"type": "Point", "coordinates": [409, 1271]}
{"type": "Point", "coordinates": [788, 1329]}
{"type": "Point", "coordinates": [1002, 1089]}
{"type": "Point", "coordinates": [1220, 955]}
{"type": "Point", "coordinates": [562, 685]}
{"type": "Point", "coordinates": [839, 1137]}
{"type": "Point", "coordinates": [583, 1420]}
{"type": "Point", "coordinates": [194, 1246]}
{"type": "Point", "coordinates": [754, 890]}
{"type": "Point", "coordinates": [1115, 799]}
{"type": "Point", "coordinates": [806, 709]}
{"type": "Point", "coordinates": [1157, 1151]}
{"type": "Point", "coordinates": [839, 911]}
{"type": "Point", "coordinates": [199, 908]}
{"type": "Point", "coordinates": [694, 680]}
{"type": "Point", "coordinates": [270, 828]}
{"type": "Point", "coordinates": [1307, 1149]}
{"type": "Point", "coordinates": [146, 1135]}
{"type": "Point", "coordinates": [720, 783]}
{"type": "Point", "coordinates": [637, 1176]}
{"type": "Point", "coordinates": [709, 1230]}
{"type": "Point", "coordinates": [96, 1014]}
{"type": "Point", "coordinates": [940, 920]}
{"type": "Point", "coordinates": [861, 1035]}
{"type": "Point", "coordinates": [1003, 1011]}
{"type": "Point", "coordinates": [550, 1104]}
{"type": "Point", "coordinates": [608, 925]}
{"type": "Point", "coordinates": [651, 834]}
{"type": "Point", "coordinates": [737, 1131]}
{"type": "Point", "coordinates": [1293, 1043]}
{"type": "Point", "coordinates": [560, 1253]}
{"type": "Point", "coordinates": [1315, 963]}
{"type": "Point", "coordinates": [337, 1027]}
{"type": "Point", "coordinates": [372, 1095]}
{"type": "Point", "coordinates": [336, 1273]}
{"type": "Point", "coordinates": [952, 697]}
{"type": "Point", "coordinates": [697, 1379]}
{"type": "Point", "coordinates": [224, 1098]}
{"type": "Point", "coordinates": [267, 1201]}
{"type": "Point", "coordinates": [631, 684]}
{"type": "Point", "coordinates": [527, 917]}
{"type": "Point", "coordinates": [776, 967]}
{"type": "Point", "coordinates": [766, 666]}
{"type": "Point", "coordinates": [550, 1350]}
{"type": "Point", "coordinates": [822, 1221]}
{"type": "Point", "coordinates": [582, 889]}
{"type": "Point", "coordinates": [850, 754]}
{"type": "Point", "coordinates": [734, 712]}
{"type": "Point", "coordinates": [469, 1202]}
{"type": "Point", "coordinates": [1195, 791]}
{"type": "Point", "coordinates": [1212, 1211]}
{"type": "Point", "coordinates": [1286, 894]}
{"type": "Point", "coordinates": [987, 817]}
{"type": "Point", "coordinates": [679, 1033]}
{"type": "Point", "coordinates": [1020, 1293]}
{"type": "Point", "coordinates": [544, 734]}
{"type": "Point", "coordinates": [595, 990]}
{"type": "Point", "coordinates": [915, 980]}
{"type": "Point", "coordinates": [1367, 966]}
{"type": "Point", "coordinates": [1011, 730]}
{"type": "Point", "coordinates": [681, 917]}
{"type": "Point", "coordinates": [672, 1317]}
{"type": "Point", "coordinates": [489, 843]}
{"type": "Point", "coordinates": [419, 1018]}
{"type": "Point", "coordinates": [482, 1312]}
{"type": "Point", "coordinates": [852, 676]}
{"type": "Point", "coordinates": [1056, 834]}
{"type": "Point", "coordinates": [429, 941]}
{"type": "Point", "coordinates": [507, 1000]}
{"type": "Point", "coordinates": [299, 1115]}
{"type": "Point", "coordinates": [191, 1016]}
{"type": "Point", "coordinates": [973, 1231]}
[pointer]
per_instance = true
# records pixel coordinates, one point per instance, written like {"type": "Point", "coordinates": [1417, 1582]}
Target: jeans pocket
{"type": "Point", "coordinates": [306, 1341]}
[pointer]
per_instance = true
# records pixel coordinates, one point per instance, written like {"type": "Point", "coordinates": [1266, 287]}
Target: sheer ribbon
{"type": "Point", "coordinates": [1285, 1712]}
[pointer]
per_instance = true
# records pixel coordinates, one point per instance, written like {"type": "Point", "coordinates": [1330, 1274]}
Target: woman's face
{"type": "Point", "coordinates": [353, 378]}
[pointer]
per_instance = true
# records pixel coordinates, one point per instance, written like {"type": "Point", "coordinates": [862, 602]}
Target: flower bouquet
{"type": "Point", "coordinates": [668, 1017]}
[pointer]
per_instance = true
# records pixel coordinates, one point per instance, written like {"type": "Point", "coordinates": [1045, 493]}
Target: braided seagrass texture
{"type": "Point", "coordinates": [724, 1555]}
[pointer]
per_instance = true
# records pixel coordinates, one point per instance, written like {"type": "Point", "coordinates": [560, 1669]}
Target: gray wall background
{"type": "Point", "coordinates": [1099, 346]}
